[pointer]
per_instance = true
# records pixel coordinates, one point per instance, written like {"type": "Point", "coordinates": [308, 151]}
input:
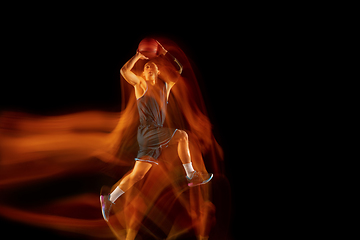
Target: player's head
{"type": "Point", "coordinates": [151, 71]}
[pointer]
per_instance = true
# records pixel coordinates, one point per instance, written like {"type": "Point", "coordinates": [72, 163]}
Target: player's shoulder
{"type": "Point", "coordinates": [140, 88]}
{"type": "Point", "coordinates": [142, 83]}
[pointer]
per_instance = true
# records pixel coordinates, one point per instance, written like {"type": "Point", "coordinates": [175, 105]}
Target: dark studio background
{"type": "Point", "coordinates": [58, 67]}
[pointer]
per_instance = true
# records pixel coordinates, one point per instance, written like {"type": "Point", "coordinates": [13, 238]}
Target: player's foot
{"type": "Point", "coordinates": [105, 202]}
{"type": "Point", "coordinates": [199, 178]}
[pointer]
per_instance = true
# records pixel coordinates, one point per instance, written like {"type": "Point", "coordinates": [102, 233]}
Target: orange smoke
{"type": "Point", "coordinates": [38, 150]}
{"type": "Point", "coordinates": [52, 169]}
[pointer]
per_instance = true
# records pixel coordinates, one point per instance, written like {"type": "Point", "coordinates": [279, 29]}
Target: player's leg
{"type": "Point", "coordinates": [139, 171]}
{"type": "Point", "coordinates": [194, 178]}
{"type": "Point", "coordinates": [107, 200]}
{"type": "Point", "coordinates": [181, 138]}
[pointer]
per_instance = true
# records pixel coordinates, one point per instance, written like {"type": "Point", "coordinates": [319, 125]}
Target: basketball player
{"type": "Point", "coordinates": [152, 97]}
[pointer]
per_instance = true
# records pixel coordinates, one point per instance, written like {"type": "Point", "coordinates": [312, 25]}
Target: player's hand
{"type": "Point", "coordinates": [162, 50]}
{"type": "Point", "coordinates": [139, 55]}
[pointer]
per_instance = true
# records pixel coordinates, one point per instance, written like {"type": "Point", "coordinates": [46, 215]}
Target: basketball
{"type": "Point", "coordinates": [148, 47]}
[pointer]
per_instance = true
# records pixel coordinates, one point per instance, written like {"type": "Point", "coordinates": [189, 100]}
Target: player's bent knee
{"type": "Point", "coordinates": [182, 135]}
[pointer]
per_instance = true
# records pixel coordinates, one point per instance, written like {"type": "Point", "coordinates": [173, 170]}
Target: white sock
{"type": "Point", "coordinates": [189, 169]}
{"type": "Point", "coordinates": [116, 194]}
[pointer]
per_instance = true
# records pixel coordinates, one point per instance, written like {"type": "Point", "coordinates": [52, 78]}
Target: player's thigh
{"type": "Point", "coordinates": [141, 168]}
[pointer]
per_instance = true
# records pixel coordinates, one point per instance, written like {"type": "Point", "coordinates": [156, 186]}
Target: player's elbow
{"type": "Point", "coordinates": [122, 72]}
{"type": "Point", "coordinates": [127, 76]}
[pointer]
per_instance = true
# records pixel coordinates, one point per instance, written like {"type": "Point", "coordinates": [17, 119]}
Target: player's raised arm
{"type": "Point", "coordinates": [126, 72]}
{"type": "Point", "coordinates": [163, 51]}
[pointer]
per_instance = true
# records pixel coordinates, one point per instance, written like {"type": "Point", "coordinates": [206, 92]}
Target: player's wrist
{"type": "Point", "coordinates": [163, 52]}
